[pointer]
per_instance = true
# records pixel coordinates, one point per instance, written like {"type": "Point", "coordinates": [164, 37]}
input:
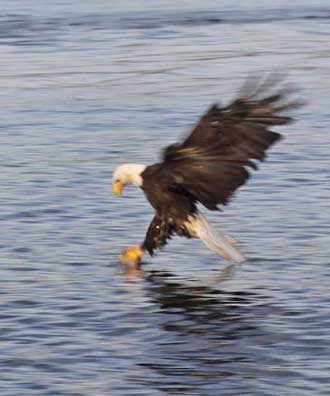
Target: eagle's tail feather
{"type": "Point", "coordinates": [216, 240]}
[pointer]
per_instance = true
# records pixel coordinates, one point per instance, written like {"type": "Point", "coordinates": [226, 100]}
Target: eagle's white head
{"type": "Point", "coordinates": [127, 174]}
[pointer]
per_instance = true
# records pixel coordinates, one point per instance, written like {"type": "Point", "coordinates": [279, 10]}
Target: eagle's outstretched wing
{"type": "Point", "coordinates": [213, 161]}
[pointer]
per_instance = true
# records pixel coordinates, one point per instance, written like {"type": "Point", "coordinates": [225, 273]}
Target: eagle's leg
{"type": "Point", "coordinates": [132, 255]}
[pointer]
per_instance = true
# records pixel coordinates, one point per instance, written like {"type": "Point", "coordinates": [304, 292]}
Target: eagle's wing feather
{"type": "Point", "coordinates": [213, 161]}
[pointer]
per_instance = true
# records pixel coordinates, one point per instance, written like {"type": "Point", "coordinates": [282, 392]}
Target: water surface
{"type": "Point", "coordinates": [86, 86]}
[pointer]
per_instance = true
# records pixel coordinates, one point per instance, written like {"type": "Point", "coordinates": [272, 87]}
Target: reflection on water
{"type": "Point", "coordinates": [202, 310]}
{"type": "Point", "coordinates": [209, 335]}
{"type": "Point", "coordinates": [88, 85]}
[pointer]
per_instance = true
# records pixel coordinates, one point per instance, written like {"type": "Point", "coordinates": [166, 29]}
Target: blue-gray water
{"type": "Point", "coordinates": [88, 85]}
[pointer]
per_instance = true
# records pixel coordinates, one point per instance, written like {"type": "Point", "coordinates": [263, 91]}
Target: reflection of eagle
{"type": "Point", "coordinates": [207, 167]}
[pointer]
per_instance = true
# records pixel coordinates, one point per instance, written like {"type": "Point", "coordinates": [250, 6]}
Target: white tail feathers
{"type": "Point", "coordinates": [216, 240]}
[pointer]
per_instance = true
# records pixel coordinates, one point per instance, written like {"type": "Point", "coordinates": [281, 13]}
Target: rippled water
{"type": "Point", "coordinates": [86, 86]}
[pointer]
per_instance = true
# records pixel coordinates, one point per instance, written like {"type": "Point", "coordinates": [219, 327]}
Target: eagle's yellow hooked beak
{"type": "Point", "coordinates": [117, 188]}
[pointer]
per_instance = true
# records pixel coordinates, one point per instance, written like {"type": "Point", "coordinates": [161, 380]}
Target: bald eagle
{"type": "Point", "coordinates": [205, 168]}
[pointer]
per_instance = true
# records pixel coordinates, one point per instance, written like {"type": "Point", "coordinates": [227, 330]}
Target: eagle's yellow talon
{"type": "Point", "coordinates": [131, 255]}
